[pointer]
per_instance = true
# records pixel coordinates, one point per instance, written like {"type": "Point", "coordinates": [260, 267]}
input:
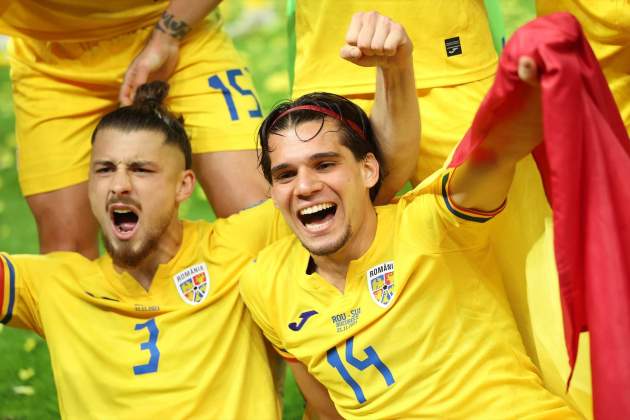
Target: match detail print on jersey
{"type": "Point", "coordinates": [193, 284]}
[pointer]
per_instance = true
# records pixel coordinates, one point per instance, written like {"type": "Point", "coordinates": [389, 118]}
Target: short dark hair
{"type": "Point", "coordinates": [149, 113]}
{"type": "Point", "coordinates": [354, 124]}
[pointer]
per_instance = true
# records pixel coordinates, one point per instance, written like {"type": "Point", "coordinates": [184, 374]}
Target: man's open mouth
{"type": "Point", "coordinates": [124, 220]}
{"type": "Point", "coordinates": [317, 217]}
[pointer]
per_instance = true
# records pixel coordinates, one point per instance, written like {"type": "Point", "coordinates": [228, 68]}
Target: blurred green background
{"type": "Point", "coordinates": [259, 29]}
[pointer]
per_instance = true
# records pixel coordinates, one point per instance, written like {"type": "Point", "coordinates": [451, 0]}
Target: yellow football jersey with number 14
{"type": "Point", "coordinates": [186, 348]}
{"type": "Point", "coordinates": [422, 329]}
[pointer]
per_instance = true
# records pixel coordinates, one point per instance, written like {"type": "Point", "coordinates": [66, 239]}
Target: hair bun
{"type": "Point", "coordinates": [151, 94]}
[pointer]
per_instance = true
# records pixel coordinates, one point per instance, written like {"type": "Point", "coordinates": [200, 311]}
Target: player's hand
{"type": "Point", "coordinates": [376, 40]}
{"type": "Point", "coordinates": [157, 61]}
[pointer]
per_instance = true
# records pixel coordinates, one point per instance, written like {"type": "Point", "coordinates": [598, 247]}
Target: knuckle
{"type": "Point", "coordinates": [376, 46]}
{"type": "Point", "coordinates": [371, 15]}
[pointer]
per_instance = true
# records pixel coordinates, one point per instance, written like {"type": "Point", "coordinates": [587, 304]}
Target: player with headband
{"type": "Point", "coordinates": [392, 311]}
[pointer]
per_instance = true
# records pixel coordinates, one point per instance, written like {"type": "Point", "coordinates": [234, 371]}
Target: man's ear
{"type": "Point", "coordinates": [186, 185]}
{"type": "Point", "coordinates": [370, 170]}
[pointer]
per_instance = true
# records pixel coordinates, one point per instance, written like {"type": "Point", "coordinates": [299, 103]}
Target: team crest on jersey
{"type": "Point", "coordinates": [193, 284]}
{"type": "Point", "coordinates": [381, 283]}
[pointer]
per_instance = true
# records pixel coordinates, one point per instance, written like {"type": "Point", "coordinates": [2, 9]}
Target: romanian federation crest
{"type": "Point", "coordinates": [380, 280]}
{"type": "Point", "coordinates": [193, 284]}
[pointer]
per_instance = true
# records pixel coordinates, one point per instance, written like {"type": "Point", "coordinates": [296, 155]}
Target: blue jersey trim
{"type": "Point", "coordinates": [454, 210]}
{"type": "Point", "coordinates": [9, 313]}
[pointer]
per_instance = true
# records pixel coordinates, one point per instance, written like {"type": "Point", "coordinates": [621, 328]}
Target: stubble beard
{"type": "Point", "coordinates": [331, 247]}
{"type": "Point", "coordinates": [130, 254]}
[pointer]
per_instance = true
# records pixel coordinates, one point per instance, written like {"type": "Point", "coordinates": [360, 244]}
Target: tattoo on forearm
{"type": "Point", "coordinates": [169, 25]}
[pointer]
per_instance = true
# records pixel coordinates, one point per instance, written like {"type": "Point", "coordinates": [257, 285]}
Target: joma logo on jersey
{"type": "Point", "coordinates": [304, 316]}
{"type": "Point", "coordinates": [193, 284]}
{"type": "Point", "coordinates": [380, 280]}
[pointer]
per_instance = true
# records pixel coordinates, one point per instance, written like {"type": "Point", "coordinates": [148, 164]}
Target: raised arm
{"type": "Point", "coordinates": [158, 58]}
{"type": "Point", "coordinates": [374, 40]}
{"type": "Point", "coordinates": [483, 180]}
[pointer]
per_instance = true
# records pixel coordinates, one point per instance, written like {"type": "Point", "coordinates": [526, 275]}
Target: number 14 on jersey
{"type": "Point", "coordinates": [371, 359]}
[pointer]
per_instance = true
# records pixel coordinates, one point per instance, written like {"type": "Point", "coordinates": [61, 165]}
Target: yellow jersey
{"type": "Point", "coordinates": [77, 20]}
{"type": "Point", "coordinates": [186, 348]}
{"type": "Point", "coordinates": [423, 327]}
{"type": "Point", "coordinates": [451, 38]}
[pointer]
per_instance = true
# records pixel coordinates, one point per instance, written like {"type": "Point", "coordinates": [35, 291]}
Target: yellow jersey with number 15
{"type": "Point", "coordinates": [186, 348]}
{"type": "Point", "coordinates": [423, 327]}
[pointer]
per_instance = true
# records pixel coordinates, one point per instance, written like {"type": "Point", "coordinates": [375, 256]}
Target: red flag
{"type": "Point", "coordinates": [584, 162]}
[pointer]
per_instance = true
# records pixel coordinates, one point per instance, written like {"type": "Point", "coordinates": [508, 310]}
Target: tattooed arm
{"type": "Point", "coordinates": [158, 58]}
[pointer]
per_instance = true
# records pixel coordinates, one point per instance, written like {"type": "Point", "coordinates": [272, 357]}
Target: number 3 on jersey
{"type": "Point", "coordinates": [154, 354]}
{"type": "Point", "coordinates": [215, 82]}
{"type": "Point", "coordinates": [372, 359]}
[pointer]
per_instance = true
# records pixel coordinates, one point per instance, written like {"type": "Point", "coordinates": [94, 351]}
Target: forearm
{"type": "Point", "coordinates": [319, 406]}
{"type": "Point", "coordinates": [182, 15]}
{"type": "Point", "coordinates": [481, 185]}
{"type": "Point", "coordinates": [483, 181]}
{"type": "Point", "coordinates": [395, 118]}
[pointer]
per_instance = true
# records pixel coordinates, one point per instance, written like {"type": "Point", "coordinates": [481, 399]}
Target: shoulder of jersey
{"type": "Point", "coordinates": [66, 265]}
{"type": "Point", "coordinates": [275, 256]}
{"type": "Point", "coordinates": [199, 231]}
{"type": "Point", "coordinates": [70, 259]}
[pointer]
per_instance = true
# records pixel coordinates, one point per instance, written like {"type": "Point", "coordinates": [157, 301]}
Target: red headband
{"type": "Point", "coordinates": [324, 111]}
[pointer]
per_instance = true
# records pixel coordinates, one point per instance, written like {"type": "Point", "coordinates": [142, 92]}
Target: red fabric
{"type": "Point", "coordinates": [584, 162]}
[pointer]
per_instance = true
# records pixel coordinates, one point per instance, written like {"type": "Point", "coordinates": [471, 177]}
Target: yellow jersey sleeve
{"type": "Point", "coordinates": [18, 302]}
{"type": "Point", "coordinates": [23, 279]}
{"type": "Point", "coordinates": [254, 291]}
{"type": "Point", "coordinates": [429, 208]}
{"type": "Point", "coordinates": [251, 230]}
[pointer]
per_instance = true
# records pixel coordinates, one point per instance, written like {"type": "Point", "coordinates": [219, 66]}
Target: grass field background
{"type": "Point", "coordinates": [26, 385]}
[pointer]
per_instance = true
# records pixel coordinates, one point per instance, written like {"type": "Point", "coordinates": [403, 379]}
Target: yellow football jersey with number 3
{"type": "Point", "coordinates": [423, 327]}
{"type": "Point", "coordinates": [186, 348]}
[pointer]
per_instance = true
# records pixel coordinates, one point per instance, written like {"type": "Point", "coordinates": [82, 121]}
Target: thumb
{"type": "Point", "coordinates": [135, 76]}
{"type": "Point", "coordinates": [350, 53]}
{"type": "Point", "coordinates": [528, 71]}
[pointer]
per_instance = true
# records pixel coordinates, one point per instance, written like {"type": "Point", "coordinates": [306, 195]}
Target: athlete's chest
{"type": "Point", "coordinates": [100, 333]}
{"type": "Point", "coordinates": [399, 321]}
{"type": "Point", "coordinates": [315, 316]}
{"type": "Point", "coordinates": [113, 321]}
